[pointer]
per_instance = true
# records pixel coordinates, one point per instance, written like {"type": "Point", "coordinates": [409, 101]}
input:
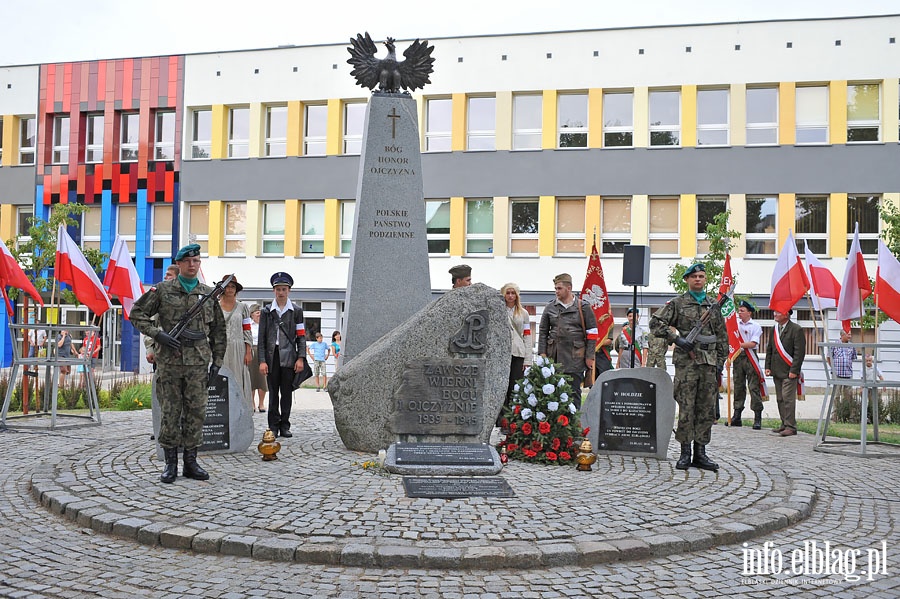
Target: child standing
{"type": "Point", "coordinates": [319, 352]}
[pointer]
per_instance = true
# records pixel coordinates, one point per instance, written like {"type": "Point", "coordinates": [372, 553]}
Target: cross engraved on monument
{"type": "Point", "coordinates": [440, 397]}
{"type": "Point", "coordinates": [471, 336]}
{"type": "Point", "coordinates": [444, 454]}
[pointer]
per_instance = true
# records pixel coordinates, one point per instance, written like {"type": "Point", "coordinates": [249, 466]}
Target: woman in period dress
{"type": "Point", "coordinates": [238, 352]}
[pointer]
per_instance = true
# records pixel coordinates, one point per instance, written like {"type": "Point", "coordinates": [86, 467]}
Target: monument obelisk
{"type": "Point", "coordinates": [389, 277]}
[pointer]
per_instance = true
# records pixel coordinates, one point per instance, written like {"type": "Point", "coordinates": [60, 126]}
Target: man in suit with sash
{"type": "Point", "coordinates": [784, 359]}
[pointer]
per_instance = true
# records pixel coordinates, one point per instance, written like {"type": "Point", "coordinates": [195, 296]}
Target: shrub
{"type": "Point", "coordinates": [137, 396]}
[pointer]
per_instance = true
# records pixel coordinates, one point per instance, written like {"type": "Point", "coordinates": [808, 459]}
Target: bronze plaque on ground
{"type": "Point", "coordinates": [455, 487]}
{"type": "Point", "coordinates": [444, 454]}
{"type": "Point", "coordinates": [440, 397]}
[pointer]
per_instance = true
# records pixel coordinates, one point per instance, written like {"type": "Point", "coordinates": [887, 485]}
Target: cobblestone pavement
{"type": "Point", "coordinates": [84, 515]}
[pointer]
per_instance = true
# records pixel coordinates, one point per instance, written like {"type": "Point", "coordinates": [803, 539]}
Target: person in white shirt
{"type": "Point", "coordinates": [747, 370]}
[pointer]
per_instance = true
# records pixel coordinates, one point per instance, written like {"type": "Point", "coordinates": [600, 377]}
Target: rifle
{"type": "Point", "coordinates": [693, 335]}
{"type": "Point", "coordinates": [181, 326]}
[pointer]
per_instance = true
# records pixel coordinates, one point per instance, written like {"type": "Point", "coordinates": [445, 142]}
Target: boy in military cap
{"type": "Point", "coordinates": [461, 275]}
{"type": "Point", "coordinates": [696, 364]}
{"type": "Point", "coordinates": [568, 333]}
{"type": "Point", "coordinates": [182, 394]}
{"type": "Point", "coordinates": [747, 369]}
{"type": "Point", "coordinates": [282, 351]}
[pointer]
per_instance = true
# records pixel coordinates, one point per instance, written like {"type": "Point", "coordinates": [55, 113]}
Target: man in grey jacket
{"type": "Point", "coordinates": [568, 333]}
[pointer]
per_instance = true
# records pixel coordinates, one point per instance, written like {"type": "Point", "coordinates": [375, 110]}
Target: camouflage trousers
{"type": "Point", "coordinates": [745, 378]}
{"type": "Point", "coordinates": [695, 393]}
{"type": "Point", "coordinates": [182, 392]}
{"type": "Point", "coordinates": [656, 356]}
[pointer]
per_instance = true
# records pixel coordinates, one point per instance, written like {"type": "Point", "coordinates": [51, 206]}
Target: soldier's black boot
{"type": "Point", "coordinates": [170, 472]}
{"type": "Point", "coordinates": [191, 468]}
{"type": "Point", "coordinates": [684, 461]}
{"type": "Point", "coordinates": [700, 459]}
{"type": "Point", "coordinates": [736, 419]}
{"type": "Point", "coordinates": [757, 420]}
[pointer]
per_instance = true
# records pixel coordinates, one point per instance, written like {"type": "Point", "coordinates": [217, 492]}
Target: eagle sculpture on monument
{"type": "Point", "coordinates": [389, 75]}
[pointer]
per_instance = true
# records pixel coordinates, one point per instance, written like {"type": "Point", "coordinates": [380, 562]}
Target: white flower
{"type": "Point", "coordinates": [553, 406]}
{"type": "Point", "coordinates": [561, 382]}
{"type": "Point", "coordinates": [526, 413]}
{"type": "Point", "coordinates": [546, 372]}
{"type": "Point", "coordinates": [572, 408]}
{"type": "Point", "coordinates": [548, 389]}
{"type": "Point", "coordinates": [516, 387]}
{"type": "Point", "coordinates": [528, 388]}
{"type": "Point", "coordinates": [532, 400]}
{"type": "Point", "coordinates": [527, 370]}
{"type": "Point", "coordinates": [552, 369]}
{"type": "Point", "coordinates": [540, 416]}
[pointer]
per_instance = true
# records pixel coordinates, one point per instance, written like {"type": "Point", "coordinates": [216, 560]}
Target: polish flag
{"type": "Point", "coordinates": [887, 282]}
{"type": "Point", "coordinates": [789, 280]}
{"type": "Point", "coordinates": [121, 276]}
{"type": "Point", "coordinates": [729, 311]}
{"type": "Point", "coordinates": [73, 268]}
{"type": "Point", "coordinates": [825, 289]}
{"type": "Point", "coordinates": [12, 275]}
{"type": "Point", "coordinates": [856, 284]}
{"type": "Point", "coordinates": [594, 292]}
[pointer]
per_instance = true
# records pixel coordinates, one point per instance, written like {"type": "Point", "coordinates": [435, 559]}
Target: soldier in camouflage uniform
{"type": "Point", "coordinates": [696, 364]}
{"type": "Point", "coordinates": [657, 352]}
{"type": "Point", "coordinates": [181, 379]}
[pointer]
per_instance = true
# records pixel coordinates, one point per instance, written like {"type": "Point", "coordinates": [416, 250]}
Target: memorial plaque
{"type": "Point", "coordinates": [628, 415]}
{"type": "Point", "coordinates": [216, 426]}
{"type": "Point", "coordinates": [440, 397]}
{"type": "Point", "coordinates": [444, 454]}
{"type": "Point", "coordinates": [454, 487]}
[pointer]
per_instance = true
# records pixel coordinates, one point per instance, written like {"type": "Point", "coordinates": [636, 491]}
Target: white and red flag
{"type": "Point", "coordinates": [825, 289]}
{"type": "Point", "coordinates": [121, 276]}
{"type": "Point", "coordinates": [73, 268]}
{"type": "Point", "coordinates": [729, 310]}
{"type": "Point", "coordinates": [855, 287]}
{"type": "Point", "coordinates": [789, 280]}
{"type": "Point", "coordinates": [887, 282]}
{"type": "Point", "coordinates": [12, 275]}
{"type": "Point", "coordinates": [594, 292]}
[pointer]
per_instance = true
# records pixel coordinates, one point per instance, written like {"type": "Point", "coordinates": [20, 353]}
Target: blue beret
{"type": "Point", "coordinates": [187, 251]}
{"type": "Point", "coordinates": [747, 305]}
{"type": "Point", "coordinates": [695, 267]}
{"type": "Point", "coordinates": [282, 278]}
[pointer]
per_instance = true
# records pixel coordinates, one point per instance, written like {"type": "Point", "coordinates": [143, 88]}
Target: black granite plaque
{"type": "Point", "coordinates": [455, 487]}
{"type": "Point", "coordinates": [628, 415]}
{"type": "Point", "coordinates": [440, 397]}
{"type": "Point", "coordinates": [216, 426]}
{"type": "Point", "coordinates": [444, 454]}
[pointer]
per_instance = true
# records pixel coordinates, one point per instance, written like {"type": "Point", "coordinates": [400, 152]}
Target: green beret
{"type": "Point", "coordinates": [747, 305]}
{"type": "Point", "coordinates": [695, 267]}
{"type": "Point", "coordinates": [187, 251]}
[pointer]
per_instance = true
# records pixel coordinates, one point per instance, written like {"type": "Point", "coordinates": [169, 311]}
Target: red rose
{"type": "Point", "coordinates": [564, 456]}
{"type": "Point", "coordinates": [570, 442]}
{"type": "Point", "coordinates": [537, 445]}
{"type": "Point", "coordinates": [517, 409]}
{"type": "Point", "coordinates": [526, 429]}
{"type": "Point", "coordinates": [512, 427]}
{"type": "Point", "coordinates": [511, 447]}
{"type": "Point", "coordinates": [563, 420]}
{"type": "Point", "coordinates": [544, 428]}
{"type": "Point", "coordinates": [585, 432]}
{"type": "Point", "coordinates": [529, 453]}
{"type": "Point", "coordinates": [504, 423]}
{"type": "Point", "coordinates": [554, 445]}
{"type": "Point", "coordinates": [551, 456]}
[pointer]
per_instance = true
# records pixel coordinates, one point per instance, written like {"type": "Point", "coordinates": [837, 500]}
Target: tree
{"type": "Point", "coordinates": [890, 214]}
{"type": "Point", "coordinates": [720, 239]}
{"type": "Point", "coordinates": [37, 255]}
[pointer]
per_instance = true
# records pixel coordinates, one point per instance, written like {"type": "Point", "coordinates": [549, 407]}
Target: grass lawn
{"type": "Point", "coordinates": [887, 433]}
